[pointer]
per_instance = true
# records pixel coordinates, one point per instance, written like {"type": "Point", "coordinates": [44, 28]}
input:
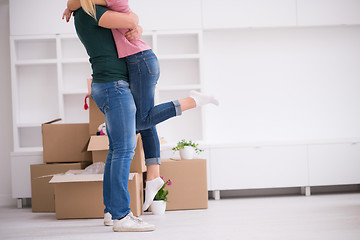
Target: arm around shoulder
{"type": "Point", "coordinates": [112, 19]}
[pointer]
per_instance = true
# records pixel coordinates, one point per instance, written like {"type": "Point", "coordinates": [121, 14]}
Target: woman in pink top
{"type": "Point", "coordinates": [143, 68]}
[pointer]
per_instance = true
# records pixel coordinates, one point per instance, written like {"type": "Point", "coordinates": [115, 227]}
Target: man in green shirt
{"type": "Point", "coordinates": [110, 90]}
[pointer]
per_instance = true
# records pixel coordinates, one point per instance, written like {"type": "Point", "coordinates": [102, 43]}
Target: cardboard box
{"type": "Point", "coordinates": [42, 193]}
{"type": "Point", "coordinates": [81, 196]}
{"type": "Point", "coordinates": [65, 142]}
{"type": "Point", "coordinates": [189, 183]}
{"type": "Point", "coordinates": [96, 117]}
{"type": "Point", "coordinates": [99, 146]}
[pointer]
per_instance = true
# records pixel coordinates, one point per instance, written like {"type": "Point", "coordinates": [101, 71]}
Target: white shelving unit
{"type": "Point", "coordinates": [49, 81]}
{"type": "Point", "coordinates": [179, 54]}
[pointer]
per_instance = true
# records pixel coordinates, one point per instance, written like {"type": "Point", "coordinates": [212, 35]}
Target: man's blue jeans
{"type": "Point", "coordinates": [144, 73]}
{"type": "Point", "coordinates": [115, 100]}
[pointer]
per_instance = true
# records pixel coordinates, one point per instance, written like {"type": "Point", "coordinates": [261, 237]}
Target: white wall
{"type": "Point", "coordinates": [5, 107]}
{"type": "Point", "coordinates": [283, 84]}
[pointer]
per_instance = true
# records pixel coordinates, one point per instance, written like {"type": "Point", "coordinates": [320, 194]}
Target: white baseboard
{"type": "Point", "coordinates": [7, 201]}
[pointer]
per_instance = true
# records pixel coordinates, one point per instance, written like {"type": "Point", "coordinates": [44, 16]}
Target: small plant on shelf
{"type": "Point", "coordinates": [187, 149]}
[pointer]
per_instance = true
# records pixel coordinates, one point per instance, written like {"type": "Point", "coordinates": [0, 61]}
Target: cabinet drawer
{"type": "Point", "coordinates": [263, 167]}
{"type": "Point", "coordinates": [334, 164]}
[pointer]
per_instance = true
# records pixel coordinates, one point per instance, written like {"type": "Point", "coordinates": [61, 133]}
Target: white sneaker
{"type": "Point", "coordinates": [108, 219]}
{"type": "Point", "coordinates": [130, 223]}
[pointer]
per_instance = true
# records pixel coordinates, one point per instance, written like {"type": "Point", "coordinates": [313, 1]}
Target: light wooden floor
{"type": "Point", "coordinates": [322, 217]}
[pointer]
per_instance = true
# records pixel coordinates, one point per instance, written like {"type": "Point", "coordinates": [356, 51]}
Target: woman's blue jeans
{"type": "Point", "coordinates": [115, 100]}
{"type": "Point", "coordinates": [144, 73]}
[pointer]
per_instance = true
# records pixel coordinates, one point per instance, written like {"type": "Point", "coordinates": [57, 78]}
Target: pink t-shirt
{"type": "Point", "coordinates": [124, 47]}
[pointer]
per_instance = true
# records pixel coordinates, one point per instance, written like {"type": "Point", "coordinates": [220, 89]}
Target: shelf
{"type": "Point", "coordinates": [35, 49]}
{"type": "Point", "coordinates": [24, 125]}
{"type": "Point", "coordinates": [170, 44]}
{"type": "Point", "coordinates": [28, 150]}
{"type": "Point", "coordinates": [83, 92]}
{"type": "Point", "coordinates": [179, 72]}
{"type": "Point", "coordinates": [72, 48]}
{"type": "Point", "coordinates": [37, 93]}
{"type": "Point", "coordinates": [35, 62]}
{"type": "Point", "coordinates": [74, 111]}
{"type": "Point", "coordinates": [75, 76]}
{"type": "Point", "coordinates": [30, 137]}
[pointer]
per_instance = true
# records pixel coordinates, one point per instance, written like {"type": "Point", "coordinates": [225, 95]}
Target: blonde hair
{"type": "Point", "coordinates": [89, 7]}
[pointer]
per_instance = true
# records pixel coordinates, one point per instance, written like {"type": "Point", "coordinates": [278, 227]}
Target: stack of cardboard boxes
{"type": "Point", "coordinates": [76, 146]}
{"type": "Point", "coordinates": [64, 148]}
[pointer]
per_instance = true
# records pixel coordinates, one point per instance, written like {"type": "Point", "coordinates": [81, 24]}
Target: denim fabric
{"type": "Point", "coordinates": [144, 72]}
{"type": "Point", "coordinates": [114, 99]}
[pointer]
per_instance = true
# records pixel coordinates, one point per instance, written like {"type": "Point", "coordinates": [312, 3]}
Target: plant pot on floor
{"type": "Point", "coordinates": [158, 207]}
{"type": "Point", "coordinates": [187, 152]}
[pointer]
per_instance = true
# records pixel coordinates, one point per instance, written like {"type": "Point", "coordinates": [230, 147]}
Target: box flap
{"type": "Point", "coordinates": [98, 143]}
{"type": "Point", "coordinates": [78, 177]}
{"type": "Point", "coordinates": [52, 121]}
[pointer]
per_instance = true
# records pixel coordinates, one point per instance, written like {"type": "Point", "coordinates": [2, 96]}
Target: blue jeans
{"type": "Point", "coordinates": [144, 73]}
{"type": "Point", "coordinates": [115, 100]}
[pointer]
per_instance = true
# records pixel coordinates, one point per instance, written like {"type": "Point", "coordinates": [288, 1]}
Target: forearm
{"type": "Point", "coordinates": [112, 19]}
{"type": "Point", "coordinates": [73, 5]}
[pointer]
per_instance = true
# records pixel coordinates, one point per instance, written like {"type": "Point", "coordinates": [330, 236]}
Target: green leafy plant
{"type": "Point", "coordinates": [162, 193]}
{"type": "Point", "coordinates": [181, 144]}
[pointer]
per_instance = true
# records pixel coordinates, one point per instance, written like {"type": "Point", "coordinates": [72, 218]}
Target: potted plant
{"type": "Point", "coordinates": [187, 149]}
{"type": "Point", "coordinates": [158, 206]}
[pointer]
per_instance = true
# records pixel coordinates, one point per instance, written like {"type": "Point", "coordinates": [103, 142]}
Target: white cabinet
{"type": "Point", "coordinates": [328, 12]}
{"type": "Point", "coordinates": [20, 173]}
{"type": "Point", "coordinates": [36, 17]}
{"type": "Point", "coordinates": [227, 14]}
{"type": "Point", "coordinates": [49, 75]}
{"type": "Point", "coordinates": [179, 55]}
{"type": "Point", "coordinates": [168, 15]}
{"type": "Point", "coordinates": [240, 167]}
{"type": "Point", "coordinates": [334, 164]}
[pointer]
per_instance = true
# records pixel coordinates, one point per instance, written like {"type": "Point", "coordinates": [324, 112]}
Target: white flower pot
{"type": "Point", "coordinates": [158, 207]}
{"type": "Point", "coordinates": [187, 152]}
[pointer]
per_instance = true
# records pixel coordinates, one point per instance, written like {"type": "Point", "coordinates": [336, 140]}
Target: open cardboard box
{"type": "Point", "coordinates": [42, 193]}
{"type": "Point", "coordinates": [99, 146]}
{"type": "Point", "coordinates": [81, 195]}
{"type": "Point", "coordinates": [65, 142]}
